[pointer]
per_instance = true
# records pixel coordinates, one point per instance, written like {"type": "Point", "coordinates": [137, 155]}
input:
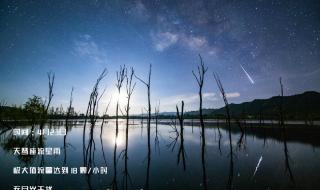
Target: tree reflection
{"type": "Point", "coordinates": [181, 152]}
{"type": "Point", "coordinates": [147, 185]}
{"type": "Point", "coordinates": [219, 142]}
{"type": "Point", "coordinates": [286, 152]}
{"type": "Point", "coordinates": [129, 88]}
{"type": "Point", "coordinates": [203, 162]}
{"type": "Point", "coordinates": [156, 139]}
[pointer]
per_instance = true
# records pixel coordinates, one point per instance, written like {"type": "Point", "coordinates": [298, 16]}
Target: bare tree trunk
{"type": "Point", "coordinates": [200, 80]}
{"type": "Point", "coordinates": [121, 75]}
{"type": "Point", "coordinates": [219, 84]}
{"type": "Point", "coordinates": [282, 124]}
{"type": "Point", "coordinates": [92, 110]}
{"type": "Point", "coordinates": [148, 85]}
{"type": "Point", "coordinates": [129, 88]}
{"type": "Point", "coordinates": [67, 128]}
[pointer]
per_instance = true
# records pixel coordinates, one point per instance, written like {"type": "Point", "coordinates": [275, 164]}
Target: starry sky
{"type": "Point", "coordinates": [248, 43]}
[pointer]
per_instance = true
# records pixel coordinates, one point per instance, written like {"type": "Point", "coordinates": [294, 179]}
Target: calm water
{"type": "Point", "coordinates": [261, 159]}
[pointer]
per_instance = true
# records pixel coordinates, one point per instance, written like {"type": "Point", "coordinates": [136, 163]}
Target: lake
{"type": "Point", "coordinates": [258, 158]}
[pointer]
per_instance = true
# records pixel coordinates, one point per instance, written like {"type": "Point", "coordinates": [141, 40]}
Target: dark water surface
{"type": "Point", "coordinates": [262, 158]}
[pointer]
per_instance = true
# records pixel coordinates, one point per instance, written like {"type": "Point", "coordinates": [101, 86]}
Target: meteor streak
{"type": "Point", "coordinates": [257, 167]}
{"type": "Point", "coordinates": [249, 77]}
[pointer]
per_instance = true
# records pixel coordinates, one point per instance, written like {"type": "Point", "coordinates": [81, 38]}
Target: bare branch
{"type": "Point", "coordinates": [121, 75]}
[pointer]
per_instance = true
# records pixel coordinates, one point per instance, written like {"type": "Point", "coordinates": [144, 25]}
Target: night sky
{"type": "Point", "coordinates": [248, 43]}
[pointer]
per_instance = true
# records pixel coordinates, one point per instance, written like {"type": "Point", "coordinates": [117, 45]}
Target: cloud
{"type": "Point", "coordinates": [187, 98]}
{"type": "Point", "coordinates": [86, 47]}
{"type": "Point", "coordinates": [209, 96]}
{"type": "Point", "coordinates": [164, 40]}
{"type": "Point", "coordinates": [233, 94]}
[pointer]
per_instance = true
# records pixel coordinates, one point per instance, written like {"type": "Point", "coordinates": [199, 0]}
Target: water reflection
{"type": "Point", "coordinates": [147, 183]}
{"type": "Point", "coordinates": [114, 183]}
{"type": "Point", "coordinates": [203, 161]}
{"type": "Point", "coordinates": [286, 155]}
{"type": "Point", "coordinates": [228, 160]}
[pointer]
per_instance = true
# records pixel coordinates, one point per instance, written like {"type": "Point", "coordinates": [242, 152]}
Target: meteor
{"type": "Point", "coordinates": [255, 171]}
{"type": "Point", "coordinates": [249, 77]}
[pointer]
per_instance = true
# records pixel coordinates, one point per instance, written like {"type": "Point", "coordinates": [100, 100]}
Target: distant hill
{"type": "Point", "coordinates": [305, 106]}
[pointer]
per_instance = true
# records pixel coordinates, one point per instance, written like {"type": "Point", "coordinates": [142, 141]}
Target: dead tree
{"type": "Point", "coordinates": [103, 117]}
{"type": "Point", "coordinates": [202, 69]}
{"type": "Point", "coordinates": [281, 104]}
{"type": "Point", "coordinates": [101, 130]}
{"type": "Point", "coordinates": [94, 99]}
{"type": "Point", "coordinates": [156, 114]}
{"type": "Point", "coordinates": [181, 152]}
{"type": "Point", "coordinates": [148, 85]}
{"type": "Point", "coordinates": [129, 89]}
{"type": "Point", "coordinates": [44, 117]}
{"type": "Point", "coordinates": [91, 112]}
{"type": "Point", "coordinates": [51, 77]}
{"type": "Point", "coordinates": [221, 89]}
{"type": "Point", "coordinates": [70, 106]}
{"type": "Point", "coordinates": [47, 103]}
{"type": "Point", "coordinates": [141, 117]}
{"type": "Point", "coordinates": [121, 75]}
{"type": "Point", "coordinates": [282, 124]}
{"type": "Point", "coordinates": [156, 117]}
{"type": "Point", "coordinates": [67, 127]}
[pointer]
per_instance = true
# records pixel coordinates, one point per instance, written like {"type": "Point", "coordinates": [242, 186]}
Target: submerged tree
{"type": "Point", "coordinates": [181, 152]}
{"type": "Point", "coordinates": [224, 96]}
{"type": "Point", "coordinates": [282, 124]}
{"type": "Point", "coordinates": [148, 85]}
{"type": "Point", "coordinates": [129, 88]}
{"type": "Point", "coordinates": [67, 127]}
{"type": "Point", "coordinates": [92, 111]}
{"type": "Point", "coordinates": [156, 117]}
{"type": "Point", "coordinates": [202, 69]}
{"type": "Point", "coordinates": [70, 105]}
{"type": "Point", "coordinates": [281, 119]}
{"type": "Point", "coordinates": [51, 77]}
{"type": "Point", "coordinates": [121, 75]}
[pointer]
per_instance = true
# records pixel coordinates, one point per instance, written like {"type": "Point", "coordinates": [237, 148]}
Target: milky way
{"type": "Point", "coordinates": [269, 38]}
